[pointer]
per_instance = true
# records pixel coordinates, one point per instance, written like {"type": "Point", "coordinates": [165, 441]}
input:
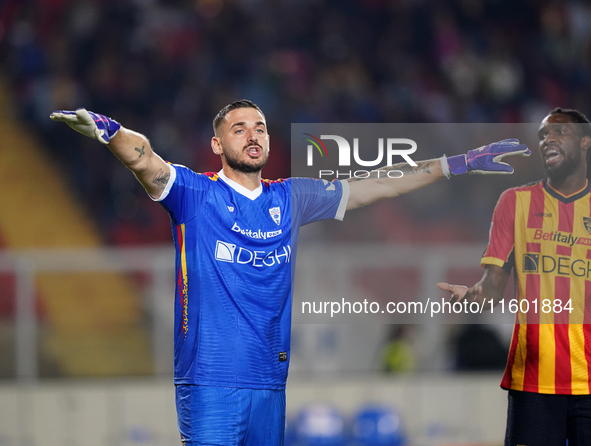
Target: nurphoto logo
{"type": "Point", "coordinates": [317, 147]}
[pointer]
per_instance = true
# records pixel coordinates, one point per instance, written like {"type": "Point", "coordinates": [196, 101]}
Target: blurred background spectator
{"type": "Point", "coordinates": [398, 354]}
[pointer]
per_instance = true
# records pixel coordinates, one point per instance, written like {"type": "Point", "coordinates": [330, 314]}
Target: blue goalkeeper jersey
{"type": "Point", "coordinates": [235, 257]}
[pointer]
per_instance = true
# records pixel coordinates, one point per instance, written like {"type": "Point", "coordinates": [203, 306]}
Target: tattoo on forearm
{"type": "Point", "coordinates": [141, 151]}
{"type": "Point", "coordinates": [404, 168]}
{"type": "Point", "coordinates": [161, 179]}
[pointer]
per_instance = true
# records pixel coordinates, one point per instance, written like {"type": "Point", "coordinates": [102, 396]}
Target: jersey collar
{"type": "Point", "coordinates": [250, 194]}
{"type": "Point", "coordinates": [567, 198]}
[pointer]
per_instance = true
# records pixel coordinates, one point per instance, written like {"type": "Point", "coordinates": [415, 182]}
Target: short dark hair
{"type": "Point", "coordinates": [242, 103]}
{"type": "Point", "coordinates": [578, 118]}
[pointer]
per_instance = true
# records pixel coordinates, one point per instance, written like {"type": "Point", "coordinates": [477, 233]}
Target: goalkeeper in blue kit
{"type": "Point", "coordinates": [236, 242]}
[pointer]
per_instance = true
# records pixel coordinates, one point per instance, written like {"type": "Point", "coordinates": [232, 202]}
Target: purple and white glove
{"type": "Point", "coordinates": [90, 124]}
{"type": "Point", "coordinates": [485, 160]}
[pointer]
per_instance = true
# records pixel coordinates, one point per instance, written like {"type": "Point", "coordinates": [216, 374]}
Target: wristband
{"type": "Point", "coordinates": [457, 164]}
{"type": "Point", "coordinates": [445, 167]}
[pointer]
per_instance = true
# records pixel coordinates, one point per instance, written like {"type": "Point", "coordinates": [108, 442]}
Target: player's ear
{"type": "Point", "coordinates": [585, 142]}
{"type": "Point", "coordinates": [216, 145]}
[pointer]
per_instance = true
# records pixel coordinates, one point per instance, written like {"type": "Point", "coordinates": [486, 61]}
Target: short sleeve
{"type": "Point", "coordinates": [501, 240]}
{"type": "Point", "coordinates": [314, 199]}
{"type": "Point", "coordinates": [184, 194]}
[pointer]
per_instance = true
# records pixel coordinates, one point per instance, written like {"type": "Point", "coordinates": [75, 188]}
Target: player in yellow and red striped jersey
{"type": "Point", "coordinates": [543, 231]}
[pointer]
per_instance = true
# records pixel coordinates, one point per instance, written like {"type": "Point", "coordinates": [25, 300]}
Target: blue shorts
{"type": "Point", "coordinates": [227, 416]}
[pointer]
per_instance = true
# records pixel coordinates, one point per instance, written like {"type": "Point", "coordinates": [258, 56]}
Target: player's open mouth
{"type": "Point", "coordinates": [552, 156]}
{"type": "Point", "coordinates": [254, 151]}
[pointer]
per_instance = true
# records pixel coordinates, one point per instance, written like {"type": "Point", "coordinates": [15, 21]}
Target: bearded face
{"type": "Point", "coordinates": [560, 147]}
{"type": "Point", "coordinates": [243, 141]}
{"type": "Point", "coordinates": [253, 162]}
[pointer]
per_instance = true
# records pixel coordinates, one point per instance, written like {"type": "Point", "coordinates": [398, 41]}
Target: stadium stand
{"type": "Point", "coordinates": [86, 334]}
{"type": "Point", "coordinates": [319, 425]}
{"type": "Point", "coordinates": [377, 425]}
{"type": "Point", "coordinates": [166, 67]}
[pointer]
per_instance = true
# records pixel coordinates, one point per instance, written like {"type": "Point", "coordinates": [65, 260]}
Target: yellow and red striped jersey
{"type": "Point", "coordinates": [546, 237]}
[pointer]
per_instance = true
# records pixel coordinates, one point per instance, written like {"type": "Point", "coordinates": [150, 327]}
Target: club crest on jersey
{"type": "Point", "coordinates": [275, 214]}
{"type": "Point", "coordinates": [587, 223]}
{"type": "Point", "coordinates": [231, 208]}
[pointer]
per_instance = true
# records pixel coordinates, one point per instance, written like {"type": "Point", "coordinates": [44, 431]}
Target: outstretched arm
{"type": "Point", "coordinates": [131, 148]}
{"type": "Point", "coordinates": [379, 184]}
{"type": "Point", "coordinates": [135, 152]}
{"type": "Point", "coordinates": [386, 183]}
{"type": "Point", "coordinates": [491, 286]}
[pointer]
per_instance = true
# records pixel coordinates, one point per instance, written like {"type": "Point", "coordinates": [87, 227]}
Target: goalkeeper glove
{"type": "Point", "coordinates": [485, 160]}
{"type": "Point", "coordinates": [90, 124]}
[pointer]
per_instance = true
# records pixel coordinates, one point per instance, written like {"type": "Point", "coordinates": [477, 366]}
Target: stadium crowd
{"type": "Point", "coordinates": [164, 68]}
